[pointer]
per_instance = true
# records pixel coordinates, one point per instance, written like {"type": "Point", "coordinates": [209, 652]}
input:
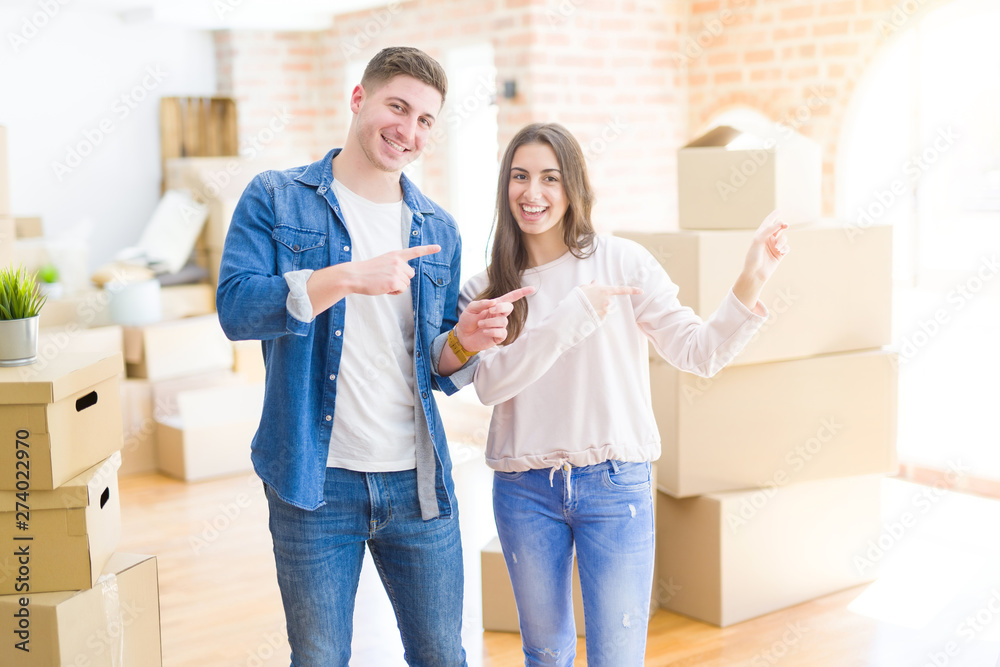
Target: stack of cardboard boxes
{"type": "Point", "coordinates": [770, 474]}
{"type": "Point", "coordinates": [66, 597]}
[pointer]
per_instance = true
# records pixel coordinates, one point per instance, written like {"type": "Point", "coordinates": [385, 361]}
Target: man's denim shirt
{"type": "Point", "coordinates": [288, 221]}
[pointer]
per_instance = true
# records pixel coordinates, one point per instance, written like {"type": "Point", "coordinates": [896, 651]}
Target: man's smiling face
{"type": "Point", "coordinates": [394, 121]}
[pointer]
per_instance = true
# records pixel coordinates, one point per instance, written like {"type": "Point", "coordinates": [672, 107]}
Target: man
{"type": "Point", "coordinates": [350, 277]}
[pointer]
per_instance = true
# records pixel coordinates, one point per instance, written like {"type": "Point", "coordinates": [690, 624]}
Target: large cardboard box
{"type": "Point", "coordinates": [139, 428]}
{"type": "Point", "coordinates": [60, 540]}
{"type": "Point", "coordinates": [211, 432]}
{"type": "Point", "coordinates": [67, 413]}
{"type": "Point", "coordinates": [816, 307]}
{"type": "Point", "coordinates": [88, 307]}
{"type": "Point", "coordinates": [4, 174]}
{"type": "Point", "coordinates": [249, 360]}
{"type": "Point", "coordinates": [145, 401]}
{"type": "Point", "coordinates": [28, 227]}
{"type": "Point", "coordinates": [180, 301]}
{"type": "Point", "coordinates": [728, 179]}
{"type": "Point", "coordinates": [114, 624]}
{"type": "Point", "coordinates": [101, 342]}
{"type": "Point", "coordinates": [181, 347]}
{"type": "Point", "coordinates": [499, 607]}
{"type": "Point", "coordinates": [729, 557]}
{"type": "Point", "coordinates": [767, 425]}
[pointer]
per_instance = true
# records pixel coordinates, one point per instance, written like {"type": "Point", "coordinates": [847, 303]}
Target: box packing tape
{"type": "Point", "coordinates": [113, 618]}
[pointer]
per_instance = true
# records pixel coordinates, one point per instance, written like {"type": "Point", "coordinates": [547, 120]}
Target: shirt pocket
{"type": "Point", "coordinates": [299, 248]}
{"type": "Point", "coordinates": [436, 278]}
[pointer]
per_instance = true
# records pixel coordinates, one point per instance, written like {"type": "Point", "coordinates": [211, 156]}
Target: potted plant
{"type": "Point", "coordinates": [20, 303]}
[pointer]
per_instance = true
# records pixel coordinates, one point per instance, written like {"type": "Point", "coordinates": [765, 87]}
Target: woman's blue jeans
{"type": "Point", "coordinates": [319, 556]}
{"type": "Point", "coordinates": [606, 511]}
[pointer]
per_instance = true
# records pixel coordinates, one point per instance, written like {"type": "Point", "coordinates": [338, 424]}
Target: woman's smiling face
{"type": "Point", "coordinates": [535, 192]}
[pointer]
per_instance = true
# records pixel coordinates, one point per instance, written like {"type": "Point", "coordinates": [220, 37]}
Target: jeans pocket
{"type": "Point", "coordinates": [630, 477]}
{"type": "Point", "coordinates": [508, 476]}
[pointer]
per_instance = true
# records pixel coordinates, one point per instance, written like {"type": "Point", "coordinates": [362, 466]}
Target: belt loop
{"type": "Point", "coordinates": [614, 466]}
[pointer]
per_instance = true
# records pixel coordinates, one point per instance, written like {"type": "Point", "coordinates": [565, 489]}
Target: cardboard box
{"type": "Point", "coordinates": [181, 347]}
{"type": "Point", "coordinates": [214, 264]}
{"type": "Point", "coordinates": [816, 307]}
{"type": "Point", "coordinates": [180, 301]}
{"type": "Point", "coordinates": [100, 341]}
{"type": "Point", "coordinates": [728, 179]}
{"type": "Point", "coordinates": [249, 360]}
{"type": "Point", "coordinates": [729, 557]}
{"type": "Point", "coordinates": [68, 412]}
{"type": "Point", "coordinates": [139, 428]}
{"type": "Point", "coordinates": [7, 241]}
{"type": "Point", "coordinates": [86, 308]}
{"type": "Point", "coordinates": [220, 215]}
{"type": "Point", "coordinates": [28, 227]}
{"type": "Point", "coordinates": [4, 174]}
{"type": "Point", "coordinates": [211, 433]}
{"type": "Point", "coordinates": [208, 178]}
{"type": "Point", "coordinates": [60, 540]}
{"type": "Point", "coordinates": [775, 424]}
{"type": "Point", "coordinates": [144, 401]}
{"type": "Point", "coordinates": [499, 607]}
{"type": "Point", "coordinates": [114, 624]}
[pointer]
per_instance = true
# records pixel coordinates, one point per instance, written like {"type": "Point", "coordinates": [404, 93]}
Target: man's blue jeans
{"type": "Point", "coordinates": [607, 511]}
{"type": "Point", "coordinates": [319, 556]}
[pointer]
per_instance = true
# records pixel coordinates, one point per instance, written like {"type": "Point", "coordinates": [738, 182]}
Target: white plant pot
{"type": "Point", "coordinates": [19, 341]}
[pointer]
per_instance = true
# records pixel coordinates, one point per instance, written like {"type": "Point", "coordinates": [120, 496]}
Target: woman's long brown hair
{"type": "Point", "coordinates": [509, 256]}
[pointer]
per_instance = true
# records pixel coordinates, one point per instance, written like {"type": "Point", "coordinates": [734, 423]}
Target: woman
{"type": "Point", "coordinates": [572, 433]}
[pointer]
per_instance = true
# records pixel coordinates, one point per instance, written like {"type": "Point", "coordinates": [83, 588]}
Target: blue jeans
{"type": "Point", "coordinates": [607, 511]}
{"type": "Point", "coordinates": [319, 555]}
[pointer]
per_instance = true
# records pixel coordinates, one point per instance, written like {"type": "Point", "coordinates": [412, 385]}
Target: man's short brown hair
{"type": "Point", "coordinates": [406, 60]}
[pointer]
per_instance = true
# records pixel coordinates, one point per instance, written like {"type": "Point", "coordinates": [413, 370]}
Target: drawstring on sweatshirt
{"type": "Point", "coordinates": [567, 470]}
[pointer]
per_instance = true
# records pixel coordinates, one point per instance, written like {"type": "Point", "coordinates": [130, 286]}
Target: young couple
{"type": "Point", "coordinates": [350, 277]}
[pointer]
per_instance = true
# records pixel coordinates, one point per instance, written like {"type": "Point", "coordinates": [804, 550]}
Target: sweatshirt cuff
{"type": "Point", "coordinates": [298, 304]}
{"type": "Point", "coordinates": [759, 312]}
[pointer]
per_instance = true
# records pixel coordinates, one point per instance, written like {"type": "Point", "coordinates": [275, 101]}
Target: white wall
{"type": "Point", "coordinates": [60, 85]}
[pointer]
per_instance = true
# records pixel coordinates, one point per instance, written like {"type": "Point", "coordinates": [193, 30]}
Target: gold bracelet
{"type": "Point", "coordinates": [456, 347]}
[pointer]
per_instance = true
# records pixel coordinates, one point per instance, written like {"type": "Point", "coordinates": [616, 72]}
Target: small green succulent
{"type": "Point", "coordinates": [19, 296]}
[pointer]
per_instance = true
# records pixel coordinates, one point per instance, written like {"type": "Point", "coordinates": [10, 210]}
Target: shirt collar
{"type": "Point", "coordinates": [320, 174]}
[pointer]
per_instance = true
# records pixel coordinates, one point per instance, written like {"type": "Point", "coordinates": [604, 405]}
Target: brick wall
{"type": "Point", "coordinates": [281, 89]}
{"type": "Point", "coordinates": [795, 61]}
{"type": "Point", "coordinates": [633, 79]}
{"type": "Point", "coordinates": [604, 69]}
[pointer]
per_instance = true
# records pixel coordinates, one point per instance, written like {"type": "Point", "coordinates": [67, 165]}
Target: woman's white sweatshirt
{"type": "Point", "coordinates": [574, 388]}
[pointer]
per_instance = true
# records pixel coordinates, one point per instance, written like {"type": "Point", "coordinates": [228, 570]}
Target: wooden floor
{"type": "Point", "coordinates": [220, 604]}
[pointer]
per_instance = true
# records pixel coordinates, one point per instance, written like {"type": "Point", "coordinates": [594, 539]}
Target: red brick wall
{"type": "Point", "coordinates": [795, 61]}
{"type": "Point", "coordinates": [604, 69]}
{"type": "Point", "coordinates": [278, 82]}
{"type": "Point", "coordinates": [633, 79]}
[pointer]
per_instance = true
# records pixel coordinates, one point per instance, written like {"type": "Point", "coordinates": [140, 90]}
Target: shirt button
{"type": "Point", "coordinates": [440, 282]}
{"type": "Point", "coordinates": [414, 233]}
{"type": "Point", "coordinates": [296, 248]}
{"type": "Point", "coordinates": [333, 377]}
{"type": "Point", "coordinates": [329, 418]}
{"type": "Point", "coordinates": [337, 332]}
{"type": "Point", "coordinates": [322, 189]}
{"type": "Point", "coordinates": [423, 395]}
{"type": "Point", "coordinates": [347, 248]}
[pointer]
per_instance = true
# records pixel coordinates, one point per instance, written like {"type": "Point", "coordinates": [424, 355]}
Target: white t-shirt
{"type": "Point", "coordinates": [373, 422]}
